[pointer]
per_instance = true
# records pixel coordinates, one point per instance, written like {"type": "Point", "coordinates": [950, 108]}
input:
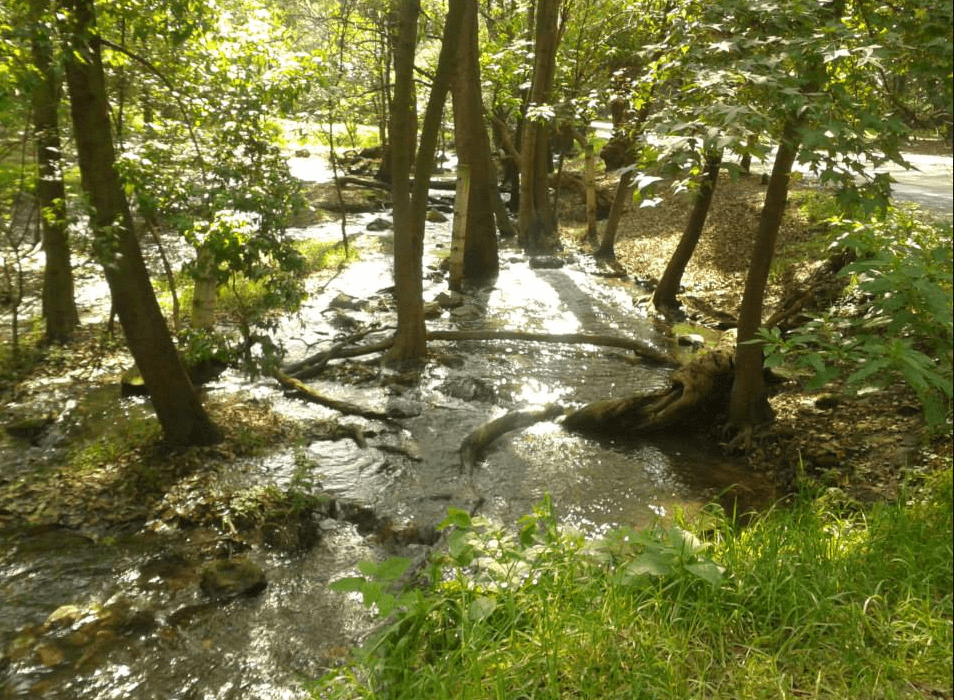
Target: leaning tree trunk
{"type": "Point", "coordinates": [664, 298]}
{"type": "Point", "coordinates": [749, 406]}
{"type": "Point", "coordinates": [622, 198]}
{"type": "Point", "coordinates": [473, 150]}
{"type": "Point", "coordinates": [410, 340]}
{"type": "Point", "coordinates": [183, 419]}
{"type": "Point", "coordinates": [537, 223]}
{"type": "Point", "coordinates": [59, 304]}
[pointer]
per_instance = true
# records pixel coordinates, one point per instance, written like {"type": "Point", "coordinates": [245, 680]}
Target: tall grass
{"type": "Point", "coordinates": [810, 601]}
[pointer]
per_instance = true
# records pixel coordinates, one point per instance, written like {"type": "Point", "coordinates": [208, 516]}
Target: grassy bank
{"type": "Point", "coordinates": [819, 599]}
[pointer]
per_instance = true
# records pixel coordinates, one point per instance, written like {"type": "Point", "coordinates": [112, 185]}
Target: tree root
{"type": "Point", "coordinates": [474, 444]}
{"type": "Point", "coordinates": [692, 388]}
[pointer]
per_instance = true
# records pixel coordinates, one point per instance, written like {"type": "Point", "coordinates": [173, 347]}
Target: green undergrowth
{"type": "Point", "coordinates": [818, 599]}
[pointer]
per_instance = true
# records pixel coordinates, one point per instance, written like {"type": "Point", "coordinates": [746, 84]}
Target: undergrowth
{"type": "Point", "coordinates": [818, 599]}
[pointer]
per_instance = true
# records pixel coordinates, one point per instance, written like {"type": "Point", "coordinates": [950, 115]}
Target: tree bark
{"type": "Point", "coordinates": [624, 195]}
{"type": "Point", "coordinates": [749, 407]}
{"type": "Point", "coordinates": [59, 304]}
{"type": "Point", "coordinates": [407, 261]}
{"type": "Point", "coordinates": [473, 150]}
{"type": "Point", "coordinates": [664, 297]}
{"type": "Point", "coordinates": [410, 340]}
{"type": "Point", "coordinates": [537, 222]}
{"type": "Point", "coordinates": [183, 419]}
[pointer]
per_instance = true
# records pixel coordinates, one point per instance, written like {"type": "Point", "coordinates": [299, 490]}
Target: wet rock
{"type": "Point", "coordinates": [346, 302]}
{"type": "Point", "coordinates": [466, 311]}
{"type": "Point", "coordinates": [400, 407]}
{"type": "Point", "coordinates": [436, 217]}
{"type": "Point", "coordinates": [29, 428]}
{"type": "Point", "coordinates": [432, 310]}
{"type": "Point", "coordinates": [449, 300]}
{"type": "Point", "coordinates": [690, 340]}
{"type": "Point", "coordinates": [469, 389]}
{"type": "Point", "coordinates": [546, 262]}
{"type": "Point", "coordinates": [363, 517]}
{"type": "Point", "coordinates": [379, 224]}
{"type": "Point", "coordinates": [229, 578]}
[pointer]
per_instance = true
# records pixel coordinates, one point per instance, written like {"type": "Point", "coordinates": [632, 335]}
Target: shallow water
{"type": "Point", "coordinates": [179, 645]}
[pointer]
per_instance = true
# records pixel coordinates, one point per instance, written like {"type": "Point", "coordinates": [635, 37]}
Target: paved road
{"type": "Point", "coordinates": [930, 183]}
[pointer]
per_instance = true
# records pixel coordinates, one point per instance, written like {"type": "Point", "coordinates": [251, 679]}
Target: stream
{"type": "Point", "coordinates": [85, 616]}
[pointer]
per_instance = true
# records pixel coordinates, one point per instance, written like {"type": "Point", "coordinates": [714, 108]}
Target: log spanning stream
{"type": "Point", "coordinates": [127, 616]}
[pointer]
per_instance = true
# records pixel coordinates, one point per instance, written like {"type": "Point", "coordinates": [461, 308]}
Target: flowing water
{"type": "Point", "coordinates": [85, 616]}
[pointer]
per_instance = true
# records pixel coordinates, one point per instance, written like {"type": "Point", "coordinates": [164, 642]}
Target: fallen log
{"type": "Point", "coordinates": [305, 392]}
{"type": "Point", "coordinates": [640, 347]}
{"type": "Point", "coordinates": [313, 365]}
{"type": "Point", "coordinates": [695, 390]}
{"type": "Point", "coordinates": [477, 442]}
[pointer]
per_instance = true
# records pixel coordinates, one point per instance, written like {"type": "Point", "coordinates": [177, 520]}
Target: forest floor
{"type": "Point", "coordinates": [868, 444]}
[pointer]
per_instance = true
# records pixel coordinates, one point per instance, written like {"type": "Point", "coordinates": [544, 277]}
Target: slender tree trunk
{"type": "Point", "coordinates": [183, 419]}
{"type": "Point", "coordinates": [410, 208]}
{"type": "Point", "coordinates": [749, 405]}
{"type": "Point", "coordinates": [204, 291]}
{"type": "Point", "coordinates": [473, 150]}
{"type": "Point", "coordinates": [624, 195]}
{"type": "Point", "coordinates": [537, 224]}
{"type": "Point", "coordinates": [664, 298]}
{"type": "Point", "coordinates": [59, 304]}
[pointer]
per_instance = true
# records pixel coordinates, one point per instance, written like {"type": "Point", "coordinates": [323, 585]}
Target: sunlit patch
{"type": "Point", "coordinates": [535, 393]}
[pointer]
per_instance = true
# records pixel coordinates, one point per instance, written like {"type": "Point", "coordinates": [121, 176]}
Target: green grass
{"type": "Point", "coordinates": [817, 600]}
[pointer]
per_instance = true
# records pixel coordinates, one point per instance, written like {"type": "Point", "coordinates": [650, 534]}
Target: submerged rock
{"type": "Point", "coordinates": [229, 578]}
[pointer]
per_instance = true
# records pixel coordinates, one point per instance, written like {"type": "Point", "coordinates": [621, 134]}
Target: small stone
{"type": "Point", "coordinates": [229, 578]}
{"type": "Point", "coordinates": [691, 340]}
{"type": "Point", "coordinates": [379, 224]}
{"type": "Point", "coordinates": [545, 262]}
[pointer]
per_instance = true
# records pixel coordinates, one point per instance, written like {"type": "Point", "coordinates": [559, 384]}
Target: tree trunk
{"type": "Point", "coordinates": [204, 290]}
{"type": "Point", "coordinates": [410, 340]}
{"type": "Point", "coordinates": [183, 419]}
{"type": "Point", "coordinates": [537, 223]}
{"type": "Point", "coordinates": [407, 262]}
{"type": "Point", "coordinates": [749, 405]}
{"type": "Point", "coordinates": [473, 150]}
{"type": "Point", "coordinates": [624, 195]}
{"type": "Point", "coordinates": [664, 298]}
{"type": "Point", "coordinates": [59, 305]}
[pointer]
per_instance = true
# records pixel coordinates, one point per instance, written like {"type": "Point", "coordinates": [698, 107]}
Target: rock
{"type": "Point", "coordinates": [379, 224]}
{"type": "Point", "coordinates": [691, 340]}
{"type": "Point", "coordinates": [466, 311]}
{"type": "Point", "coordinates": [347, 302]}
{"type": "Point", "coordinates": [545, 262]}
{"type": "Point", "coordinates": [432, 310]}
{"type": "Point", "coordinates": [449, 300]}
{"type": "Point", "coordinates": [436, 217]}
{"type": "Point", "coordinates": [228, 578]}
{"type": "Point", "coordinates": [303, 153]}
{"type": "Point", "coordinates": [30, 429]}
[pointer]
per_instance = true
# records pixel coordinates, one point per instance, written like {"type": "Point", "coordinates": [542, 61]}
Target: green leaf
{"type": "Point", "coordinates": [650, 564]}
{"type": "Point", "coordinates": [707, 570]}
{"type": "Point", "coordinates": [389, 570]}
{"type": "Point", "coordinates": [456, 518]}
{"type": "Point", "coordinates": [482, 608]}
